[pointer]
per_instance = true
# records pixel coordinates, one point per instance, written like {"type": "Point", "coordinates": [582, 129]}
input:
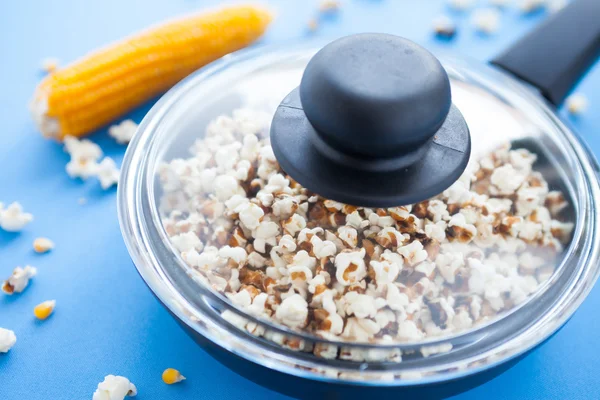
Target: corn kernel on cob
{"type": "Point", "coordinates": [103, 85]}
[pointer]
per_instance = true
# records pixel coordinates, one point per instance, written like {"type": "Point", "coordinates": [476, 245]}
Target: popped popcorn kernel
{"type": "Point", "coordinates": [13, 218]}
{"type": "Point", "coordinates": [486, 20]}
{"type": "Point", "coordinates": [577, 104]}
{"type": "Point", "coordinates": [124, 131]}
{"type": "Point", "coordinates": [43, 310]}
{"type": "Point", "coordinates": [114, 388]}
{"type": "Point", "coordinates": [171, 376]}
{"type": "Point", "coordinates": [49, 64]}
{"type": "Point", "coordinates": [19, 280]}
{"type": "Point", "coordinates": [7, 340]}
{"type": "Point", "coordinates": [42, 245]}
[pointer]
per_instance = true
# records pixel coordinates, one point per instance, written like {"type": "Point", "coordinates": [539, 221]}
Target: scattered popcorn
{"type": "Point", "coordinates": [12, 218]}
{"type": "Point", "coordinates": [19, 280]}
{"type": "Point", "coordinates": [42, 245]}
{"type": "Point", "coordinates": [171, 376]}
{"type": "Point", "coordinates": [528, 6]}
{"type": "Point", "coordinates": [43, 310]}
{"type": "Point", "coordinates": [50, 64]}
{"type": "Point", "coordinates": [345, 273]}
{"type": "Point", "coordinates": [443, 26]}
{"type": "Point", "coordinates": [329, 6]}
{"type": "Point", "coordinates": [577, 104]}
{"type": "Point", "coordinates": [7, 340]}
{"type": "Point", "coordinates": [114, 388]}
{"type": "Point", "coordinates": [124, 131]}
{"type": "Point", "coordinates": [312, 25]}
{"type": "Point", "coordinates": [84, 157]}
{"type": "Point", "coordinates": [107, 173]}
{"type": "Point", "coordinates": [486, 20]}
{"type": "Point", "coordinates": [460, 5]}
{"type": "Point", "coordinates": [501, 3]}
{"type": "Point", "coordinates": [556, 5]}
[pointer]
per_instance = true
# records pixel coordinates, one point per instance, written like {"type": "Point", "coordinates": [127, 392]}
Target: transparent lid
{"type": "Point", "coordinates": [504, 240]}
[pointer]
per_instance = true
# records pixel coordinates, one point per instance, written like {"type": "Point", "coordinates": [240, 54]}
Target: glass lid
{"type": "Point", "coordinates": [496, 239]}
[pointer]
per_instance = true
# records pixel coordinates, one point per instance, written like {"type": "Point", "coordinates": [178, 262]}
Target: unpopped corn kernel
{"type": "Point", "coordinates": [43, 310]}
{"type": "Point", "coordinates": [171, 376]}
{"type": "Point", "coordinates": [42, 245]}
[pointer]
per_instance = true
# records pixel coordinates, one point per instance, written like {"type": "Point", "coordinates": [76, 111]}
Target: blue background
{"type": "Point", "coordinates": [106, 320]}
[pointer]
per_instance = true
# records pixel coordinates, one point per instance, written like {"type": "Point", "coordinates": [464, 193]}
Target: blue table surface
{"type": "Point", "coordinates": [106, 320]}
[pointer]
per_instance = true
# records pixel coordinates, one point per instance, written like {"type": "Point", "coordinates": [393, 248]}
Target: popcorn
{"type": "Point", "coordinates": [7, 340]}
{"type": "Point", "coordinates": [350, 266]}
{"type": "Point", "coordinates": [114, 388]}
{"type": "Point", "coordinates": [460, 5]}
{"type": "Point", "coordinates": [185, 242]}
{"type": "Point", "coordinates": [237, 254]}
{"type": "Point", "coordinates": [348, 235]}
{"type": "Point", "coordinates": [528, 6]}
{"type": "Point", "coordinates": [360, 305]}
{"type": "Point", "coordinates": [443, 26]}
{"type": "Point", "coordinates": [486, 20]}
{"type": "Point", "coordinates": [577, 104]}
{"type": "Point", "coordinates": [12, 218]}
{"type": "Point", "coordinates": [84, 157]}
{"type": "Point", "coordinates": [227, 186]}
{"type": "Point", "coordinates": [507, 179]}
{"type": "Point", "coordinates": [251, 215]}
{"type": "Point", "coordinates": [294, 224]}
{"type": "Point", "coordinates": [322, 248]}
{"type": "Point", "coordinates": [49, 64]}
{"type": "Point", "coordinates": [385, 271]}
{"type": "Point", "coordinates": [347, 273]}
{"type": "Point", "coordinates": [123, 132]}
{"type": "Point", "coordinates": [413, 253]}
{"type": "Point", "coordinates": [19, 280]}
{"type": "Point", "coordinates": [436, 231]}
{"type": "Point", "coordinates": [292, 311]}
{"type": "Point", "coordinates": [107, 172]}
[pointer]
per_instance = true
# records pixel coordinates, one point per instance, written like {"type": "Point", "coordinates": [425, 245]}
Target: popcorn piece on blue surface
{"type": "Point", "coordinates": [577, 103]}
{"type": "Point", "coordinates": [108, 173]}
{"type": "Point", "coordinates": [460, 5]}
{"type": "Point", "coordinates": [7, 340]}
{"type": "Point", "coordinates": [19, 280]}
{"type": "Point", "coordinates": [443, 26]}
{"type": "Point", "coordinates": [114, 388]}
{"type": "Point", "coordinates": [124, 131]}
{"type": "Point", "coordinates": [12, 218]}
{"type": "Point", "coordinates": [486, 20]}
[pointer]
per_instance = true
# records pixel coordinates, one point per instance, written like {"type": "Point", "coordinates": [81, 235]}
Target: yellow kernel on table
{"type": "Point", "coordinates": [42, 245]}
{"type": "Point", "coordinates": [171, 376]}
{"type": "Point", "coordinates": [44, 310]}
{"type": "Point", "coordinates": [312, 25]}
{"type": "Point", "coordinates": [329, 6]}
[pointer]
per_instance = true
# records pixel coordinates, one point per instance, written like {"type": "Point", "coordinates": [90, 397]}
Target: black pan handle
{"type": "Point", "coordinates": [556, 55]}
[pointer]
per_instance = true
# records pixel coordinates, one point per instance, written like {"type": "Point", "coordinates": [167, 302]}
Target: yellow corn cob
{"type": "Point", "coordinates": [103, 85]}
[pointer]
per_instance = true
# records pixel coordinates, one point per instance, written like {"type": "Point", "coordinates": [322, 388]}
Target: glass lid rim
{"type": "Point", "coordinates": [144, 136]}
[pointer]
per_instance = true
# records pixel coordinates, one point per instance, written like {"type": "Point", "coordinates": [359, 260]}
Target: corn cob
{"type": "Point", "coordinates": [105, 84]}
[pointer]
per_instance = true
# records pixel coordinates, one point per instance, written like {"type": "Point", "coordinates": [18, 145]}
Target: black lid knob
{"type": "Point", "coordinates": [375, 95]}
{"type": "Point", "coordinates": [372, 124]}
